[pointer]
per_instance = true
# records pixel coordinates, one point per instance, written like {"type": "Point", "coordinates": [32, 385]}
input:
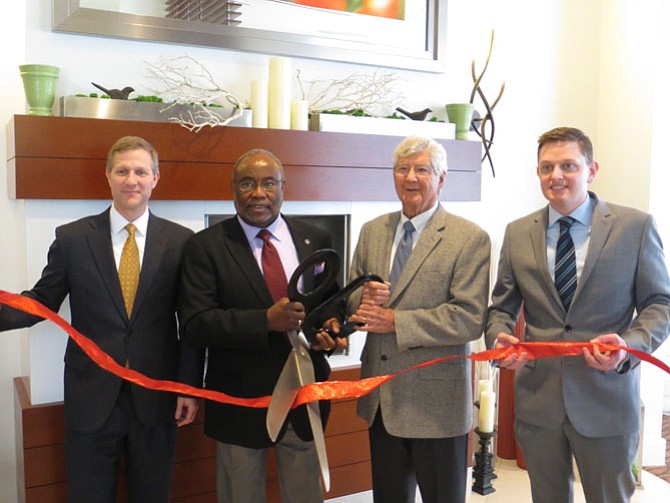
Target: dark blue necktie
{"type": "Point", "coordinates": [565, 274]}
{"type": "Point", "coordinates": [402, 253]}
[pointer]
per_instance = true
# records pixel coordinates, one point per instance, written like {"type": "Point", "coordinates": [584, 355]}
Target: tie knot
{"type": "Point", "coordinates": [131, 230]}
{"type": "Point", "coordinates": [408, 227]}
{"type": "Point", "coordinates": [264, 234]}
{"type": "Point", "coordinates": [566, 223]}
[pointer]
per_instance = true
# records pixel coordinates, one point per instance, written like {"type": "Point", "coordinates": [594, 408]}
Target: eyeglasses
{"type": "Point", "coordinates": [421, 170]}
{"type": "Point", "coordinates": [267, 185]}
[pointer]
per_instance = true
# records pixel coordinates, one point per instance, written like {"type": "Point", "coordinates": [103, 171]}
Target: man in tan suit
{"type": "Point", "coordinates": [430, 308]}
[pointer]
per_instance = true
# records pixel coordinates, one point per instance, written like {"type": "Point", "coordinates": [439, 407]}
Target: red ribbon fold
{"type": "Point", "coordinates": [326, 390]}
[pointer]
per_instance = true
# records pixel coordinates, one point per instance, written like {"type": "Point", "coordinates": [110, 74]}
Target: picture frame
{"type": "Point", "coordinates": [426, 54]}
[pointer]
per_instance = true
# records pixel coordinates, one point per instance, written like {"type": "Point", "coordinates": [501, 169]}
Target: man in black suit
{"type": "Point", "coordinates": [105, 416]}
{"type": "Point", "coordinates": [226, 306]}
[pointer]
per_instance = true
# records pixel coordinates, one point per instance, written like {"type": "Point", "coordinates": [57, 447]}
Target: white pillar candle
{"type": "Point", "coordinates": [487, 408]}
{"type": "Point", "coordinates": [485, 385]}
{"type": "Point", "coordinates": [300, 115]}
{"type": "Point", "coordinates": [279, 93]}
{"type": "Point", "coordinates": [259, 103]}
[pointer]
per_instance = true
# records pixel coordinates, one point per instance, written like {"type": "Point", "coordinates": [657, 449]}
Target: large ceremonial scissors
{"type": "Point", "coordinates": [314, 276]}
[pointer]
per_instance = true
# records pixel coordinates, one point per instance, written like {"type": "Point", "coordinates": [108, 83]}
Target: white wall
{"type": "Point", "coordinates": [555, 57]}
{"type": "Point", "coordinates": [631, 140]}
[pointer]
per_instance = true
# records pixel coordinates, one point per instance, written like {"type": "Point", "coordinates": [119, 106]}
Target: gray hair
{"type": "Point", "coordinates": [417, 144]}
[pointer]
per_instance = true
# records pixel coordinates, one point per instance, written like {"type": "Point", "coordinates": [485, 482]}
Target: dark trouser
{"type": "Point", "coordinates": [92, 459]}
{"type": "Point", "coordinates": [438, 465]}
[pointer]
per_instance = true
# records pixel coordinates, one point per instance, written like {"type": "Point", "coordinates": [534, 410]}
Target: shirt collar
{"type": "Point", "coordinates": [582, 214]}
{"type": "Point", "coordinates": [278, 228]}
{"type": "Point", "coordinates": [421, 220]}
{"type": "Point", "coordinates": [118, 222]}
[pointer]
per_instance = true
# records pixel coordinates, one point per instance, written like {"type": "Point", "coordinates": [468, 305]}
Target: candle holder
{"type": "Point", "coordinates": [483, 472]}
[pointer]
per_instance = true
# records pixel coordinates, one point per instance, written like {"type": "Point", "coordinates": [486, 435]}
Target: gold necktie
{"type": "Point", "coordinates": [129, 269]}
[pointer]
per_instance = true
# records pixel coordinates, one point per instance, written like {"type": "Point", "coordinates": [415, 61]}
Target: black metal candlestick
{"type": "Point", "coordinates": [483, 469]}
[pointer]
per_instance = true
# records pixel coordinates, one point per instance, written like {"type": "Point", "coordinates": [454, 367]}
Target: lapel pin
{"type": "Point", "coordinates": [307, 241]}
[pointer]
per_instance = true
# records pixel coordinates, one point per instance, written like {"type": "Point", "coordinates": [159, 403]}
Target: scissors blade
{"type": "Point", "coordinates": [298, 371]}
{"type": "Point", "coordinates": [314, 415]}
{"type": "Point", "coordinates": [285, 391]}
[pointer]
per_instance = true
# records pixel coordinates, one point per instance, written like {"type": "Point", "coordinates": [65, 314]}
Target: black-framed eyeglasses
{"type": "Point", "coordinates": [267, 185]}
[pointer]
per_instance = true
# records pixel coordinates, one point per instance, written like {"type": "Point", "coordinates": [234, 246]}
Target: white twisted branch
{"type": "Point", "coordinates": [185, 81]}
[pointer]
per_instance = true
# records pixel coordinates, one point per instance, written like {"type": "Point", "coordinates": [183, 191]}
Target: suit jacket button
{"type": "Point", "coordinates": [568, 328]}
{"type": "Point", "coordinates": [384, 358]}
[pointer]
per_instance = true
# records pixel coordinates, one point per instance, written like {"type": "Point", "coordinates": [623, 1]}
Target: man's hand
{"type": "Point", "coordinates": [325, 342]}
{"type": "Point", "coordinates": [285, 315]}
{"type": "Point", "coordinates": [376, 293]}
{"type": "Point", "coordinates": [186, 410]}
{"type": "Point", "coordinates": [375, 319]}
{"type": "Point", "coordinates": [512, 362]}
{"type": "Point", "coordinates": [606, 360]}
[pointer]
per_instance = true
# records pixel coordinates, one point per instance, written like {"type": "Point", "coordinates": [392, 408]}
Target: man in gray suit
{"type": "Point", "coordinates": [431, 308]}
{"type": "Point", "coordinates": [586, 407]}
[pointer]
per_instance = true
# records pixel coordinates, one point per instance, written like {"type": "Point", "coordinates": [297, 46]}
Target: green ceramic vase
{"type": "Point", "coordinates": [39, 84]}
{"type": "Point", "coordinates": [461, 114]}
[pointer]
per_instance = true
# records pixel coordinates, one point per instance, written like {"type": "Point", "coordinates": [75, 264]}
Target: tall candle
{"type": "Point", "coordinates": [259, 103]}
{"type": "Point", "coordinates": [485, 385]}
{"type": "Point", "coordinates": [300, 115]}
{"type": "Point", "coordinates": [279, 93]}
{"type": "Point", "coordinates": [487, 408]}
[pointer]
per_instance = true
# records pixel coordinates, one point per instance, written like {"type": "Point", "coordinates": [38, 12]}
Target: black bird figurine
{"type": "Point", "coordinates": [415, 116]}
{"type": "Point", "coordinates": [116, 94]}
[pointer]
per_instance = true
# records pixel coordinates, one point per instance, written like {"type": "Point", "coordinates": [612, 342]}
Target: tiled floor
{"type": "Point", "coordinates": [512, 486]}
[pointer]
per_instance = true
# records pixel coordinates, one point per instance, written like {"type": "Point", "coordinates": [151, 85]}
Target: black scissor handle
{"type": "Point", "coordinates": [310, 325]}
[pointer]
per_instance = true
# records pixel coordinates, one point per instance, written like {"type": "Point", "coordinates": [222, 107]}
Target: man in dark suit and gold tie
{"type": "Point", "coordinates": [584, 270]}
{"type": "Point", "coordinates": [121, 270]}
{"type": "Point", "coordinates": [433, 305]}
{"type": "Point", "coordinates": [234, 302]}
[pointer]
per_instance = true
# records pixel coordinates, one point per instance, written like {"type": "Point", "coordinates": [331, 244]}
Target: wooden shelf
{"type": "Point", "coordinates": [64, 158]}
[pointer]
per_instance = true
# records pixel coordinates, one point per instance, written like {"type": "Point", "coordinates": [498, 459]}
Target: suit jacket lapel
{"type": "Point", "coordinates": [538, 238]}
{"type": "Point", "coordinates": [154, 247]}
{"type": "Point", "coordinates": [240, 251]}
{"type": "Point", "coordinates": [100, 243]}
{"type": "Point", "coordinates": [601, 227]}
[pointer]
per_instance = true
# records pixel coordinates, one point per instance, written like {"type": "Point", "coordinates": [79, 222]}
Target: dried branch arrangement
{"type": "Point", "coordinates": [185, 81]}
{"type": "Point", "coordinates": [375, 93]}
{"type": "Point", "coordinates": [481, 123]}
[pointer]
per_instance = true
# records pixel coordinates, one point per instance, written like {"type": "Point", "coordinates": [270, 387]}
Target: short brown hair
{"type": "Point", "coordinates": [126, 143]}
{"type": "Point", "coordinates": [567, 134]}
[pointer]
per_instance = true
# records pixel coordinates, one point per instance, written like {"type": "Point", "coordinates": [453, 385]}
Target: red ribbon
{"type": "Point", "coordinates": [326, 390]}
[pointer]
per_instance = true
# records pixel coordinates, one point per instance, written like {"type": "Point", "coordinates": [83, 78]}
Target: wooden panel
{"type": "Point", "coordinates": [193, 477]}
{"type": "Point", "coordinates": [44, 465]}
{"type": "Point", "coordinates": [64, 158]}
{"type": "Point", "coordinates": [53, 493]}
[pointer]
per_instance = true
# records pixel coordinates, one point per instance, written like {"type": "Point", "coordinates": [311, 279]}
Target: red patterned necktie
{"type": "Point", "coordinates": [273, 270]}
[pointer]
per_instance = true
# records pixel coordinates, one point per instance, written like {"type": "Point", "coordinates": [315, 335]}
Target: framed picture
{"type": "Point", "coordinates": [412, 37]}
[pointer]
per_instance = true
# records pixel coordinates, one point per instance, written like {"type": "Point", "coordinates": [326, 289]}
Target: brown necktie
{"type": "Point", "coordinates": [129, 269]}
{"type": "Point", "coordinates": [273, 270]}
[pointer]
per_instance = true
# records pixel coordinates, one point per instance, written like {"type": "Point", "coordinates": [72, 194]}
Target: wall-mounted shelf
{"type": "Point", "coordinates": [64, 158]}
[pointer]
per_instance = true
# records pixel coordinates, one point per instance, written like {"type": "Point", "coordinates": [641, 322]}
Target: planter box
{"type": "Point", "coordinates": [375, 125]}
{"type": "Point", "coordinates": [102, 108]}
